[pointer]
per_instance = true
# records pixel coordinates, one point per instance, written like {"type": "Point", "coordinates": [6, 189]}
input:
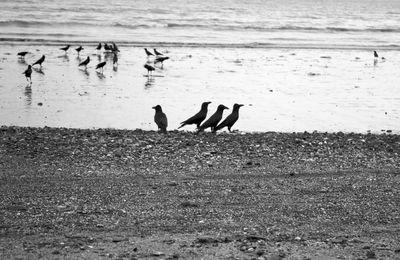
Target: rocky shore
{"type": "Point", "coordinates": [73, 193]}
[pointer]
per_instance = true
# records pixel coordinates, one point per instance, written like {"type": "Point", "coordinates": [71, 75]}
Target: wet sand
{"type": "Point", "coordinates": [282, 89]}
{"type": "Point", "coordinates": [100, 194]}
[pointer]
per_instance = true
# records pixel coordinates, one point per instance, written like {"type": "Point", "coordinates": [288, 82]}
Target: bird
{"type": "Point", "coordinates": [98, 46]}
{"type": "Point", "coordinates": [149, 68]}
{"type": "Point", "coordinates": [115, 47]}
{"type": "Point", "coordinates": [213, 121]}
{"type": "Point", "coordinates": [158, 53]}
{"type": "Point", "coordinates": [161, 60]}
{"type": "Point", "coordinates": [115, 59]}
{"type": "Point", "coordinates": [197, 118]}
{"type": "Point", "coordinates": [39, 61]}
{"type": "Point", "coordinates": [22, 53]}
{"type": "Point", "coordinates": [376, 55]}
{"type": "Point", "coordinates": [85, 62]}
{"type": "Point", "coordinates": [101, 65]}
{"type": "Point", "coordinates": [79, 49]}
{"type": "Point", "coordinates": [28, 73]}
{"type": "Point", "coordinates": [148, 53]}
{"type": "Point", "coordinates": [160, 119]}
{"type": "Point", "coordinates": [65, 48]}
{"type": "Point", "coordinates": [231, 119]}
{"type": "Point", "coordinates": [106, 47]}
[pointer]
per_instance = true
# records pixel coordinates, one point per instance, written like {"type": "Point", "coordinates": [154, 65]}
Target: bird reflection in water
{"type": "Point", "coordinates": [28, 95]}
{"type": "Point", "coordinates": [38, 70]}
{"type": "Point", "coordinates": [100, 75]}
{"type": "Point", "coordinates": [64, 57]}
{"type": "Point", "coordinates": [22, 61]}
{"type": "Point", "coordinates": [149, 83]}
{"type": "Point", "coordinates": [85, 71]}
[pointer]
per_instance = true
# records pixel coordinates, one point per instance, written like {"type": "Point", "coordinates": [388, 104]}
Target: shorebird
{"type": "Point", "coordinates": [376, 55]}
{"type": "Point", "coordinates": [22, 54]}
{"type": "Point", "coordinates": [85, 62]}
{"type": "Point", "coordinates": [79, 49]}
{"type": "Point", "coordinates": [148, 53]}
{"type": "Point", "coordinates": [98, 46]}
{"type": "Point", "coordinates": [213, 121]}
{"type": "Point", "coordinates": [65, 48]}
{"type": "Point", "coordinates": [28, 73]}
{"type": "Point", "coordinates": [100, 66]}
{"type": "Point", "coordinates": [149, 68]}
{"type": "Point", "coordinates": [158, 53]}
{"type": "Point", "coordinates": [231, 119]}
{"type": "Point", "coordinates": [197, 118]}
{"type": "Point", "coordinates": [39, 61]}
{"type": "Point", "coordinates": [160, 119]}
{"type": "Point", "coordinates": [160, 60]}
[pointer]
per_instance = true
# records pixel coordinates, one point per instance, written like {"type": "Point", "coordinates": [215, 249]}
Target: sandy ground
{"type": "Point", "coordinates": [99, 194]}
{"type": "Point", "coordinates": [282, 89]}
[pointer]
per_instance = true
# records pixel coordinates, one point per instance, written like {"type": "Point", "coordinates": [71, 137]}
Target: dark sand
{"type": "Point", "coordinates": [68, 193]}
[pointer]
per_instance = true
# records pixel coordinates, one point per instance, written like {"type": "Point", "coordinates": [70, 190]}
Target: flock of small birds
{"type": "Point", "coordinates": [160, 117]}
{"type": "Point", "coordinates": [112, 48]}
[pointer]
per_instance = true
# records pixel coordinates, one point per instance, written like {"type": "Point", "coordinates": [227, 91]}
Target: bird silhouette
{"type": "Point", "coordinates": [100, 66]}
{"type": "Point", "coordinates": [65, 48]}
{"type": "Point", "coordinates": [149, 68]}
{"type": "Point", "coordinates": [39, 61]}
{"type": "Point", "coordinates": [115, 47]}
{"type": "Point", "coordinates": [85, 62]}
{"type": "Point", "coordinates": [79, 49]}
{"type": "Point", "coordinates": [28, 73]}
{"type": "Point", "coordinates": [158, 53]}
{"type": "Point", "coordinates": [160, 119]}
{"type": "Point", "coordinates": [376, 54]}
{"type": "Point", "coordinates": [98, 46]}
{"type": "Point", "coordinates": [148, 53]}
{"type": "Point", "coordinates": [197, 118]}
{"type": "Point", "coordinates": [231, 119]}
{"type": "Point", "coordinates": [22, 53]}
{"type": "Point", "coordinates": [213, 121]}
{"type": "Point", "coordinates": [107, 47]}
{"type": "Point", "coordinates": [160, 60]}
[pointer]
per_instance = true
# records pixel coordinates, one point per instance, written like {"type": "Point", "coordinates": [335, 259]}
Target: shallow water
{"type": "Point", "coordinates": [282, 89]}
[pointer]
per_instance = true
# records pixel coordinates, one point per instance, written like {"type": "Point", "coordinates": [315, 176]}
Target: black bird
{"type": "Point", "coordinates": [65, 48]}
{"type": "Point", "coordinates": [213, 121]}
{"type": "Point", "coordinates": [28, 73]}
{"type": "Point", "coordinates": [85, 62]}
{"type": "Point", "coordinates": [377, 56]}
{"type": "Point", "coordinates": [22, 53]}
{"type": "Point", "coordinates": [197, 118]}
{"type": "Point", "coordinates": [161, 60]}
{"type": "Point", "coordinates": [158, 53]}
{"type": "Point", "coordinates": [231, 119]}
{"type": "Point", "coordinates": [101, 65]}
{"type": "Point", "coordinates": [161, 119]}
{"type": "Point", "coordinates": [39, 61]}
{"type": "Point", "coordinates": [149, 68]}
{"type": "Point", "coordinates": [98, 46]}
{"type": "Point", "coordinates": [148, 53]}
{"type": "Point", "coordinates": [106, 47]}
{"type": "Point", "coordinates": [79, 49]}
{"type": "Point", "coordinates": [115, 47]}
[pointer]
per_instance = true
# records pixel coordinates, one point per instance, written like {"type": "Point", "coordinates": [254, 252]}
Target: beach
{"type": "Point", "coordinates": [282, 89]}
{"type": "Point", "coordinates": [126, 194]}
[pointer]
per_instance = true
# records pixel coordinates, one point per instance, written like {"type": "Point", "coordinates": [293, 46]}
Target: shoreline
{"type": "Point", "coordinates": [137, 194]}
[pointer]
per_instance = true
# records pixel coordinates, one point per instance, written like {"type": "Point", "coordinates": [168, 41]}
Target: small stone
{"type": "Point", "coordinates": [40, 104]}
{"type": "Point", "coordinates": [158, 253]}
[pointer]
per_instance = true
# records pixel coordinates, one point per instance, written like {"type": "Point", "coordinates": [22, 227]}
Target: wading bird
{"type": "Point", "coordinates": [39, 61]}
{"type": "Point", "coordinates": [28, 73]}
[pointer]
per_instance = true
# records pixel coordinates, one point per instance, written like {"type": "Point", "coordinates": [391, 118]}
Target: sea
{"type": "Point", "coordinates": [296, 65]}
{"type": "Point", "coordinates": [299, 23]}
